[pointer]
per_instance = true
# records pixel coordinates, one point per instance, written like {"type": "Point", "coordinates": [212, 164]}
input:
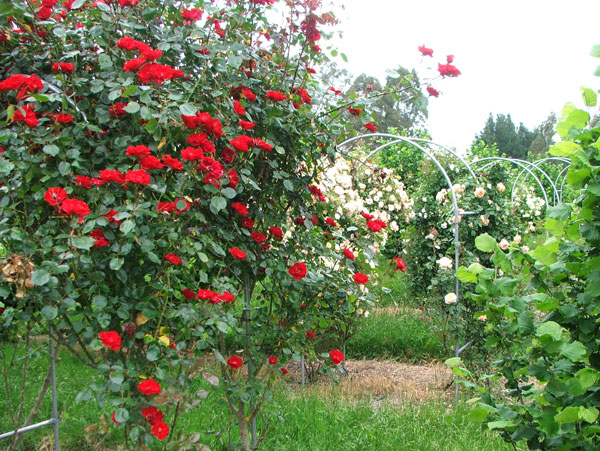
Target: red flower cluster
{"type": "Point", "coordinates": [432, 91]}
{"type": "Point", "coordinates": [191, 14]}
{"type": "Point", "coordinates": [63, 67]}
{"type": "Point", "coordinates": [237, 253]}
{"type": "Point", "coordinates": [246, 125]}
{"type": "Point", "coordinates": [101, 240]}
{"type": "Point", "coordinates": [29, 118]}
{"type": "Point", "coordinates": [117, 110]}
{"type": "Point", "coordinates": [150, 72]}
{"type": "Point", "coordinates": [376, 225]}
{"type": "Point", "coordinates": [173, 259]}
{"type": "Point", "coordinates": [276, 232]}
{"type": "Point", "coordinates": [304, 97]}
{"type": "Point", "coordinates": [330, 222]}
{"type": "Point", "coordinates": [400, 265]}
{"type": "Point", "coordinates": [276, 96]}
{"type": "Point", "coordinates": [24, 84]}
{"type": "Point", "coordinates": [297, 270]}
{"type": "Point", "coordinates": [158, 73]}
{"type": "Point", "coordinates": [209, 124]}
{"type": "Point", "coordinates": [370, 126]}
{"type": "Point", "coordinates": [260, 238]}
{"type": "Point", "coordinates": [355, 111]}
{"type": "Point", "coordinates": [139, 176]}
{"type": "Point", "coordinates": [62, 118]}
{"type": "Point", "coordinates": [110, 339]}
{"type": "Point", "coordinates": [160, 429]}
{"type": "Point", "coordinates": [211, 296]}
{"type": "Point", "coordinates": [310, 334]}
{"type": "Point", "coordinates": [240, 208]}
{"type": "Point", "coordinates": [448, 70]}
{"type": "Point", "coordinates": [314, 189]}
{"type": "Point", "coordinates": [57, 197]}
{"type": "Point", "coordinates": [348, 254]}
{"type": "Point", "coordinates": [426, 51]}
{"type": "Point", "coordinates": [170, 207]}
{"type": "Point", "coordinates": [86, 182]}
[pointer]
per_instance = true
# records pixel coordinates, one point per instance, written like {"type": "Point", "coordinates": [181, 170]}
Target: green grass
{"type": "Point", "coordinates": [404, 335]}
{"type": "Point", "coordinates": [297, 421]}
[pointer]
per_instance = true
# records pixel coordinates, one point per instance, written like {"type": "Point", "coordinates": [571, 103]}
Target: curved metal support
{"type": "Point", "coordinates": [564, 178]}
{"type": "Point", "coordinates": [494, 160]}
{"type": "Point", "coordinates": [557, 195]}
{"type": "Point", "coordinates": [427, 141]}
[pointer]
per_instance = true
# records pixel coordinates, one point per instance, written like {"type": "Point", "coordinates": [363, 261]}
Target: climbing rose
{"type": "Point", "coordinates": [30, 117]}
{"type": "Point", "coordinates": [272, 360]}
{"type": "Point", "coordinates": [450, 298]}
{"type": "Point", "coordinates": [400, 265]}
{"type": "Point", "coordinates": [247, 222]}
{"type": "Point", "coordinates": [432, 91]}
{"type": "Point", "coordinates": [110, 339]}
{"type": "Point", "coordinates": [249, 94]}
{"type": "Point", "coordinates": [310, 334]}
{"type": "Point", "coordinates": [227, 297]}
{"type": "Point", "coordinates": [426, 51]}
{"type": "Point", "coordinates": [360, 278]}
{"type": "Point", "coordinates": [134, 64]}
{"type": "Point", "coordinates": [276, 96]}
{"type": "Point", "coordinates": [188, 294]}
{"type": "Point", "coordinates": [54, 196]}
{"type": "Point", "coordinates": [138, 176]}
{"type": "Point", "coordinates": [258, 237]}
{"type": "Point", "coordinates": [370, 126]}
{"type": "Point", "coordinates": [240, 208]}
{"type": "Point", "coordinates": [448, 70]}
{"type": "Point", "coordinates": [355, 111]}
{"type": "Point", "coordinates": [192, 14]}
{"type": "Point", "coordinates": [152, 414]}
{"type": "Point", "coordinates": [366, 215]}
{"type": "Point", "coordinates": [348, 254]}
{"type": "Point", "coordinates": [63, 67]}
{"type": "Point", "coordinates": [297, 270]}
{"type": "Point", "coordinates": [117, 110]}
{"type": "Point", "coordinates": [238, 108]}
{"type": "Point", "coordinates": [137, 151]}
{"type": "Point", "coordinates": [237, 253]}
{"type": "Point", "coordinates": [450, 59]}
{"type": "Point", "coordinates": [276, 232]}
{"type": "Point", "coordinates": [101, 240]}
{"type": "Point", "coordinates": [160, 430]}
{"type": "Point", "coordinates": [173, 259]}
{"type": "Point", "coordinates": [246, 125]}
{"type": "Point", "coordinates": [75, 207]}
{"type": "Point", "coordinates": [376, 225]}
{"type": "Point", "coordinates": [235, 362]}
{"type": "Point", "coordinates": [336, 356]}
{"type": "Point", "coordinates": [149, 387]}
{"type": "Point", "coordinates": [283, 371]}
{"type": "Point", "coordinates": [173, 163]}
{"type": "Point", "coordinates": [330, 222]}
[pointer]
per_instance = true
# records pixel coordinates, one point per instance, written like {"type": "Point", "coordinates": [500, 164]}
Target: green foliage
{"type": "Point", "coordinates": [545, 336]}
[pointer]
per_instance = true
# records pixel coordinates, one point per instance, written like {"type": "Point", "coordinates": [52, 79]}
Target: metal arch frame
{"type": "Point", "coordinates": [399, 139]}
{"type": "Point", "coordinates": [427, 141]}
{"type": "Point", "coordinates": [564, 178]}
{"type": "Point", "coordinates": [537, 163]}
{"type": "Point", "coordinates": [522, 164]}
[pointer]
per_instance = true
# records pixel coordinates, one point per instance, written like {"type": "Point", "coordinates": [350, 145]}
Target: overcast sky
{"type": "Point", "coordinates": [525, 57]}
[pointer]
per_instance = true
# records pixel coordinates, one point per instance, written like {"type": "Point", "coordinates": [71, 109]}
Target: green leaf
{"type": "Point", "coordinates": [546, 253]}
{"type": "Point", "coordinates": [478, 414]}
{"type": "Point", "coordinates": [121, 415]}
{"type": "Point", "coordinates": [561, 212]}
{"type": "Point", "coordinates": [187, 109]}
{"type": "Point", "coordinates": [99, 301]}
{"type": "Point", "coordinates": [502, 424]}
{"type": "Point", "coordinates": [485, 243]}
{"type": "Point", "coordinates": [590, 414]}
{"type": "Point", "coordinates": [235, 61]}
{"type": "Point", "coordinates": [40, 277]}
{"type": "Point", "coordinates": [49, 313]}
{"type": "Point", "coordinates": [567, 415]}
{"type": "Point", "coordinates": [594, 188]}
{"type": "Point", "coordinates": [130, 90]}
{"type": "Point", "coordinates": [554, 226]}
{"type": "Point", "coordinates": [596, 51]}
{"type": "Point", "coordinates": [217, 204]}
{"type": "Point", "coordinates": [116, 263]}
{"type": "Point", "coordinates": [51, 149]}
{"type": "Point", "coordinates": [153, 353]}
{"type": "Point", "coordinates": [117, 377]}
{"type": "Point", "coordinates": [590, 98]}
{"type": "Point", "coordinates": [466, 276]}
{"type": "Point", "coordinates": [574, 351]}
{"type": "Point", "coordinates": [77, 4]}
{"type": "Point", "coordinates": [551, 329]}
{"type": "Point", "coordinates": [127, 226]}
{"type": "Point", "coordinates": [288, 185]}
{"type": "Point", "coordinates": [229, 193]}
{"type": "Point", "coordinates": [564, 149]}
{"type": "Point", "coordinates": [105, 61]}
{"type": "Point", "coordinates": [344, 57]}
{"type": "Point", "coordinates": [83, 242]}
{"type": "Point", "coordinates": [222, 326]}
{"type": "Point", "coordinates": [132, 107]}
{"type": "Point", "coordinates": [587, 377]}
{"type": "Point", "coordinates": [453, 362]}
{"type": "Point", "coordinates": [83, 395]}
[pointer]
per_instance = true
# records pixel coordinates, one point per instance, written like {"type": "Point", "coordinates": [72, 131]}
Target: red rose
{"type": "Point", "coordinates": [240, 208]}
{"type": "Point", "coordinates": [74, 207]}
{"type": "Point", "coordinates": [276, 96]}
{"type": "Point", "coordinates": [355, 111]}
{"type": "Point", "coordinates": [134, 64]}
{"type": "Point", "coordinates": [55, 196]}
{"type": "Point", "coordinates": [247, 222]}
{"type": "Point", "coordinates": [151, 55]}
{"type": "Point", "coordinates": [448, 70]}
{"type": "Point", "coordinates": [330, 222]}
{"type": "Point", "coordinates": [150, 162]}
{"type": "Point", "coordinates": [336, 357]}
{"type": "Point", "coordinates": [366, 215]}
{"type": "Point", "coordinates": [110, 339]}
{"type": "Point", "coordinates": [138, 176]}
{"type": "Point", "coordinates": [283, 371]}
{"type": "Point", "coordinates": [173, 163]}
{"type": "Point", "coordinates": [152, 414]}
{"type": "Point", "coordinates": [237, 253]}
{"type": "Point", "coordinates": [227, 297]}
{"type": "Point", "coordinates": [149, 387]}
{"type": "Point", "coordinates": [62, 118]}
{"type": "Point", "coordinates": [63, 67]}
{"type": "Point", "coordinates": [297, 270]}
{"type": "Point", "coordinates": [376, 225]}
{"type": "Point", "coordinates": [246, 125]}
{"type": "Point", "coordinates": [173, 259]}
{"type": "Point", "coordinates": [137, 151]}
{"type": "Point", "coordinates": [370, 126]}
{"type": "Point", "coordinates": [165, 207]}
{"type": "Point", "coordinates": [160, 430]}
{"type": "Point", "coordinates": [235, 362]}
{"type": "Point", "coordinates": [192, 154]}
{"type": "Point", "coordinates": [233, 178]}
{"type": "Point", "coordinates": [208, 295]}
{"type": "Point", "coordinates": [192, 14]}
{"type": "Point", "coordinates": [272, 360]}
{"type": "Point", "coordinates": [101, 240]}
{"type": "Point", "coordinates": [400, 265]}
{"type": "Point", "coordinates": [426, 51]}
{"type": "Point", "coordinates": [348, 254]}
{"type": "Point", "coordinates": [360, 278]}
{"type": "Point", "coordinates": [276, 232]}
{"type": "Point", "coordinates": [450, 59]}
{"type": "Point", "coordinates": [310, 334]}
{"type": "Point", "coordinates": [84, 181]}
{"type": "Point", "coordinates": [262, 145]}
{"type": "Point", "coordinates": [238, 108]}
{"type": "Point", "coordinates": [432, 91]}
{"type": "Point", "coordinates": [112, 175]}
{"type": "Point", "coordinates": [117, 110]}
{"type": "Point", "coordinates": [258, 237]}
{"type": "Point", "coordinates": [188, 294]}
{"type": "Point", "coordinates": [29, 118]}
